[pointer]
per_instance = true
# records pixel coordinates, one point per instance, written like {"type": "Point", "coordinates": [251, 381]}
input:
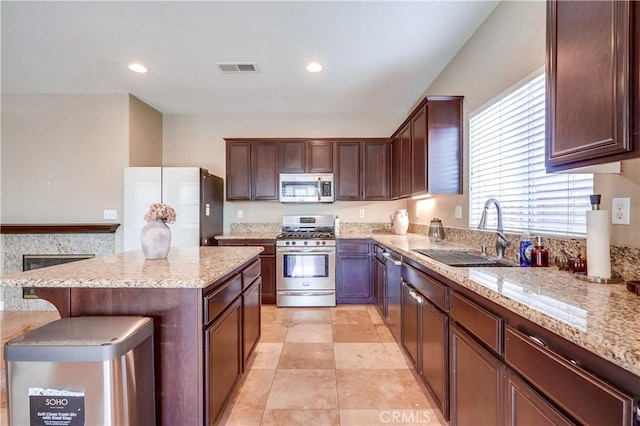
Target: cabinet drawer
{"type": "Point", "coordinates": [586, 397]}
{"type": "Point", "coordinates": [435, 292]}
{"type": "Point", "coordinates": [250, 273]}
{"type": "Point", "coordinates": [221, 298]}
{"type": "Point", "coordinates": [353, 247]}
{"type": "Point", "coordinates": [482, 323]}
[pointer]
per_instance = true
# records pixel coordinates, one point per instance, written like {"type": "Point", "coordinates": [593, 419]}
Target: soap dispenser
{"type": "Point", "coordinates": [539, 255]}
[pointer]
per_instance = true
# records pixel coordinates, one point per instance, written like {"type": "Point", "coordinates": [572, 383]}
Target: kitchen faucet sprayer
{"type": "Point", "coordinates": [501, 240]}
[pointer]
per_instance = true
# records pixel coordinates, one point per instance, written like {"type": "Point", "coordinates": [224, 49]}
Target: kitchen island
{"type": "Point", "coordinates": [196, 297]}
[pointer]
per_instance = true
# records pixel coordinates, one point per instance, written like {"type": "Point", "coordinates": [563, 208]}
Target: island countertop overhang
{"type": "Point", "coordinates": [185, 267]}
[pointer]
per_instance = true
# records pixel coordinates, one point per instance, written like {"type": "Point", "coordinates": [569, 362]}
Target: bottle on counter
{"type": "Point", "coordinates": [336, 226]}
{"type": "Point", "coordinates": [539, 255]}
{"type": "Point", "coordinates": [525, 250]}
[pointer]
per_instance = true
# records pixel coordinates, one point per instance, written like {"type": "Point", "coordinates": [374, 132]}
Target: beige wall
{"type": "Point", "coordinates": [145, 134]}
{"type": "Point", "coordinates": [197, 140]}
{"type": "Point", "coordinates": [62, 157]}
{"type": "Point", "coordinates": [509, 46]}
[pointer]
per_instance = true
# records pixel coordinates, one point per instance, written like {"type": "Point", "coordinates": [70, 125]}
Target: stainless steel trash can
{"type": "Point", "coordinates": [82, 371]}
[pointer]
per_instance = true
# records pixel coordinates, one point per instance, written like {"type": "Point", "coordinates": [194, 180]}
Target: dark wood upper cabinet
{"type": "Point", "coordinates": [406, 162]}
{"type": "Point", "coordinates": [426, 151]}
{"type": "Point", "coordinates": [362, 170]}
{"type": "Point", "coordinates": [419, 151]}
{"type": "Point", "coordinates": [375, 166]}
{"type": "Point", "coordinates": [238, 171]}
{"type": "Point", "coordinates": [319, 157]}
{"type": "Point", "coordinates": [348, 173]}
{"type": "Point", "coordinates": [252, 170]}
{"type": "Point", "coordinates": [444, 142]}
{"type": "Point", "coordinates": [305, 156]}
{"type": "Point", "coordinates": [292, 157]}
{"type": "Point", "coordinates": [396, 164]}
{"type": "Point", "coordinates": [590, 62]}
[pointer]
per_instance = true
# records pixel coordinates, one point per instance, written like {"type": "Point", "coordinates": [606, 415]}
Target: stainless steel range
{"type": "Point", "coordinates": [306, 261]}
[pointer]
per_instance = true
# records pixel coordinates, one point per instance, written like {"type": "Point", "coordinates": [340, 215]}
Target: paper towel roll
{"type": "Point", "coordinates": [598, 257]}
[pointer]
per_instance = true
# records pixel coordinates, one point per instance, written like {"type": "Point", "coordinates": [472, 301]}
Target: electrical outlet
{"type": "Point", "coordinates": [110, 214]}
{"type": "Point", "coordinates": [620, 211]}
{"type": "Point", "coordinates": [361, 213]}
{"type": "Point", "coordinates": [458, 212]}
{"type": "Point", "coordinates": [240, 214]}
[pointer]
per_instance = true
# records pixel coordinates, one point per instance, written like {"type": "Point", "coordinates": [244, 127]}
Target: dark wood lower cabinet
{"type": "Point", "coordinates": [223, 341]}
{"type": "Point", "coordinates": [268, 265]}
{"type": "Point", "coordinates": [353, 272]}
{"type": "Point", "coordinates": [526, 407]}
{"type": "Point", "coordinates": [476, 381]}
{"type": "Point", "coordinates": [434, 350]}
{"type": "Point", "coordinates": [251, 318]}
{"type": "Point", "coordinates": [410, 323]}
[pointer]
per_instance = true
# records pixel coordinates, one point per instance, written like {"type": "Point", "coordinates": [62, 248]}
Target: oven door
{"type": "Point", "coordinates": [305, 276]}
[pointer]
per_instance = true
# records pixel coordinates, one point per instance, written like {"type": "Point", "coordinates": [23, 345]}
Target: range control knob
{"type": "Point", "coordinates": [324, 243]}
{"type": "Point", "coordinates": [306, 243]}
{"type": "Point", "coordinates": [286, 243]}
{"type": "Point", "coordinates": [317, 243]}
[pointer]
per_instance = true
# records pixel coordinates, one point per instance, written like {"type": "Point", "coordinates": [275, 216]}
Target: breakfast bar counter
{"type": "Point", "coordinates": [187, 295]}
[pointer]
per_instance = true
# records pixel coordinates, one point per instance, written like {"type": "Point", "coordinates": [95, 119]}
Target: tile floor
{"type": "Point", "coordinates": [326, 366]}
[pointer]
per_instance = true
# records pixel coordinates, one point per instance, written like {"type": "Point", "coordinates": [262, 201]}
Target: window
{"type": "Point", "coordinates": [506, 162]}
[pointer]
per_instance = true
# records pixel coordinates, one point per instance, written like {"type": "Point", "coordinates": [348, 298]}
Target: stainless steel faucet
{"type": "Point", "coordinates": [501, 239]}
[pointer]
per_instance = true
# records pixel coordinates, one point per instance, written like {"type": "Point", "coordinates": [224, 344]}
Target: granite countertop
{"type": "Point", "coordinates": [185, 267]}
{"type": "Point", "coordinates": [601, 318]}
{"type": "Point", "coordinates": [249, 236]}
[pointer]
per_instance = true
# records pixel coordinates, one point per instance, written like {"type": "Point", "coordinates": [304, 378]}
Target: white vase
{"type": "Point", "coordinates": [400, 222]}
{"type": "Point", "coordinates": [156, 240]}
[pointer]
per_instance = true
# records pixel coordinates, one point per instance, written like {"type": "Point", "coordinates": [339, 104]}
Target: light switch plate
{"type": "Point", "coordinates": [361, 213]}
{"type": "Point", "coordinates": [458, 212]}
{"type": "Point", "coordinates": [620, 211]}
{"type": "Point", "coordinates": [240, 214]}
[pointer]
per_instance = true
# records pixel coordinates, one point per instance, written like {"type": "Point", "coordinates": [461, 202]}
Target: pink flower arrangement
{"type": "Point", "coordinates": [160, 211]}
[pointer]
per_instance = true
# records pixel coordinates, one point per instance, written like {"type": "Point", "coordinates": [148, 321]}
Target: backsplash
{"type": "Point", "coordinates": [625, 261]}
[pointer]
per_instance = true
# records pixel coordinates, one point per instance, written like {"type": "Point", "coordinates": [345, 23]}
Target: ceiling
{"type": "Point", "coordinates": [378, 56]}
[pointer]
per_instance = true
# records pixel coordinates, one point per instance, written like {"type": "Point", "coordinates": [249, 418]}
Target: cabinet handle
{"type": "Point", "coordinates": [538, 341]}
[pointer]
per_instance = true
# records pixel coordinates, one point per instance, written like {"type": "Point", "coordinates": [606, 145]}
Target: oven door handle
{"type": "Point", "coordinates": [308, 250]}
{"type": "Point", "coordinates": [314, 293]}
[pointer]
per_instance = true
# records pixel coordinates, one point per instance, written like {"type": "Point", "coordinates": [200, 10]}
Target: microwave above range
{"type": "Point", "coordinates": [306, 188]}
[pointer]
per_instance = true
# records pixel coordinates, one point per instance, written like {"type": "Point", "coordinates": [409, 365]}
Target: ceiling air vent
{"type": "Point", "coordinates": [237, 67]}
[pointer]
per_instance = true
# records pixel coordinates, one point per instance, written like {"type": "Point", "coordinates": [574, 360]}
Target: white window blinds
{"type": "Point", "coordinates": [506, 162]}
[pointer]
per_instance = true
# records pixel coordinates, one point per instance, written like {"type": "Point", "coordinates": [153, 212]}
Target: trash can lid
{"type": "Point", "coordinates": [98, 338]}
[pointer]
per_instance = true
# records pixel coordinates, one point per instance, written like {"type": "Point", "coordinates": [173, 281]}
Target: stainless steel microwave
{"type": "Point", "coordinates": [306, 188]}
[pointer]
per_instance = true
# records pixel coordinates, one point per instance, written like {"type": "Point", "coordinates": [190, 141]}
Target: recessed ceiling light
{"type": "Point", "coordinates": [138, 68]}
{"type": "Point", "coordinates": [314, 67]}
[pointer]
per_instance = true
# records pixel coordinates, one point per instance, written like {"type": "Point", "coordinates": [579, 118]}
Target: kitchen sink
{"type": "Point", "coordinates": [465, 258]}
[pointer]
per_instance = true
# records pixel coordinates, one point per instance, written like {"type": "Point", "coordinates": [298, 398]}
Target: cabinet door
{"type": "Point", "coordinates": [265, 170]}
{"type": "Point", "coordinates": [405, 161]}
{"type": "Point", "coordinates": [476, 382]}
{"type": "Point", "coordinates": [525, 406]}
{"type": "Point", "coordinates": [419, 152]}
{"type": "Point", "coordinates": [353, 273]}
{"type": "Point", "coordinates": [434, 355]}
{"type": "Point", "coordinates": [238, 171]}
{"type": "Point", "coordinates": [250, 318]}
{"type": "Point", "coordinates": [268, 274]}
{"type": "Point", "coordinates": [376, 171]}
{"type": "Point", "coordinates": [444, 146]}
{"type": "Point", "coordinates": [319, 157]}
{"type": "Point", "coordinates": [292, 156]}
{"type": "Point", "coordinates": [396, 166]}
{"type": "Point", "coordinates": [347, 171]}
{"type": "Point", "coordinates": [588, 86]}
{"type": "Point", "coordinates": [410, 324]}
{"type": "Point", "coordinates": [223, 343]}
